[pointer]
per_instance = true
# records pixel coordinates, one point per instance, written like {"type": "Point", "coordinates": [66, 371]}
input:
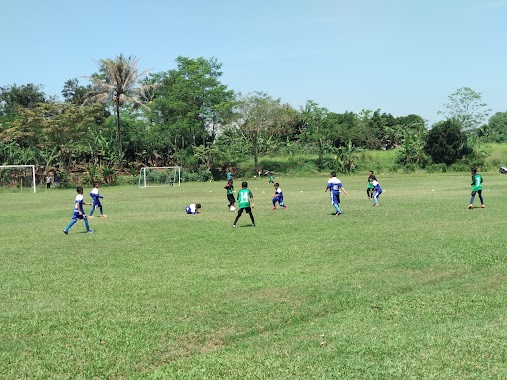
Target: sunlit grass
{"type": "Point", "coordinates": [412, 289]}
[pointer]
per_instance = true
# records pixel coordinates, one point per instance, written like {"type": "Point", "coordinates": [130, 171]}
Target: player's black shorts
{"type": "Point", "coordinates": [248, 210]}
{"type": "Point", "coordinates": [476, 192]}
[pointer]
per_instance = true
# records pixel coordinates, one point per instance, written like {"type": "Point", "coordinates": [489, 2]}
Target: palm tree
{"type": "Point", "coordinates": [119, 82]}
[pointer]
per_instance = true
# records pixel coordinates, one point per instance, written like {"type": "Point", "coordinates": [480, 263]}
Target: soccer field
{"type": "Point", "coordinates": [413, 289]}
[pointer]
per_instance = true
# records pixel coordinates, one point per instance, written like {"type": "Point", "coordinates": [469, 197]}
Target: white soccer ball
{"type": "Point", "coordinates": [232, 208]}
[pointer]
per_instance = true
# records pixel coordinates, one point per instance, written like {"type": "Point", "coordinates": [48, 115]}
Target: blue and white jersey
{"type": "Point", "coordinates": [334, 185]}
{"type": "Point", "coordinates": [278, 193]}
{"type": "Point", "coordinates": [376, 186]}
{"type": "Point", "coordinates": [95, 194]}
{"type": "Point", "coordinates": [190, 209]}
{"type": "Point", "coordinates": [78, 206]}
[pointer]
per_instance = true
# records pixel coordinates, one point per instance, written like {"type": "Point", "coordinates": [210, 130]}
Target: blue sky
{"type": "Point", "coordinates": [402, 56]}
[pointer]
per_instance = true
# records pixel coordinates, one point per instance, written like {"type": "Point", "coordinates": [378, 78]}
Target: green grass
{"type": "Point", "coordinates": [414, 289]}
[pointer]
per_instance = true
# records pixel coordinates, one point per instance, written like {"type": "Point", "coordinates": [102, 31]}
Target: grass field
{"type": "Point", "coordinates": [414, 289]}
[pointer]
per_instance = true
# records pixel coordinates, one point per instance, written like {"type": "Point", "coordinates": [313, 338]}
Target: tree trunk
{"type": "Point", "coordinates": [120, 147]}
{"type": "Point", "coordinates": [256, 155]}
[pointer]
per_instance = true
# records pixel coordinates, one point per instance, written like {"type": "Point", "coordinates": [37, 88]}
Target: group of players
{"type": "Point", "coordinates": [246, 201]}
{"type": "Point", "coordinates": [79, 212]}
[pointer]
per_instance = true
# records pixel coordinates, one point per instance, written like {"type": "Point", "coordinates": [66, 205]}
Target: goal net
{"type": "Point", "coordinates": [18, 178]}
{"type": "Point", "coordinates": [160, 176]}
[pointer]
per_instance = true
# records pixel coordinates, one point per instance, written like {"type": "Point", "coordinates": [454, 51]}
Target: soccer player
{"type": "Point", "coordinates": [230, 193]}
{"type": "Point", "coordinates": [334, 185]}
{"type": "Point", "coordinates": [278, 197]}
{"type": "Point", "coordinates": [96, 201]}
{"type": "Point", "coordinates": [193, 208]}
{"type": "Point", "coordinates": [245, 203]}
{"type": "Point", "coordinates": [369, 189]}
{"type": "Point", "coordinates": [79, 212]}
{"type": "Point", "coordinates": [476, 188]}
{"type": "Point", "coordinates": [377, 190]}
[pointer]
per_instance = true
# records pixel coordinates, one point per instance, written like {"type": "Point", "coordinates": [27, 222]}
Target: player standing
{"type": "Point", "coordinates": [377, 190]}
{"type": "Point", "coordinates": [369, 189]}
{"type": "Point", "coordinates": [334, 185]}
{"type": "Point", "coordinates": [476, 188]}
{"type": "Point", "coordinates": [245, 203]}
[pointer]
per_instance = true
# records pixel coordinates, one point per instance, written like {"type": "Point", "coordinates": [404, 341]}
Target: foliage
{"type": "Point", "coordinates": [411, 150]}
{"type": "Point", "coordinates": [119, 83]}
{"type": "Point", "coordinates": [260, 116]}
{"type": "Point", "coordinates": [24, 96]}
{"type": "Point", "coordinates": [446, 142]}
{"type": "Point", "coordinates": [191, 104]}
{"type": "Point", "coordinates": [466, 107]}
{"type": "Point", "coordinates": [495, 130]}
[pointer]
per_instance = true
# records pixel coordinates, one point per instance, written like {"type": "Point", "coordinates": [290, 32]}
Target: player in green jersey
{"type": "Point", "coordinates": [476, 188]}
{"type": "Point", "coordinates": [245, 203]}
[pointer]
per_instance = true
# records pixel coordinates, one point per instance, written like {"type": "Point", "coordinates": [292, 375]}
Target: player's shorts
{"type": "Point", "coordinates": [248, 210]}
{"type": "Point", "coordinates": [476, 192]}
{"type": "Point", "coordinates": [335, 198]}
{"type": "Point", "coordinates": [231, 199]}
{"type": "Point", "coordinates": [77, 216]}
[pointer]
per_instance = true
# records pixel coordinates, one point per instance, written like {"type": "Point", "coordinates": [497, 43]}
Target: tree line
{"type": "Point", "coordinates": [125, 119]}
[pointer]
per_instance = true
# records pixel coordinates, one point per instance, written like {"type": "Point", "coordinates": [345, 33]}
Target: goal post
{"type": "Point", "coordinates": [18, 175]}
{"type": "Point", "coordinates": [154, 176]}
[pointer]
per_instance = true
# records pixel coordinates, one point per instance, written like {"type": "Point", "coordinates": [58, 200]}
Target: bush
{"type": "Point", "coordinates": [436, 168]}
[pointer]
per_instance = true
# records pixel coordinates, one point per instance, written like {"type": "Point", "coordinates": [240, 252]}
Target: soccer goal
{"type": "Point", "coordinates": [160, 176]}
{"type": "Point", "coordinates": [19, 177]}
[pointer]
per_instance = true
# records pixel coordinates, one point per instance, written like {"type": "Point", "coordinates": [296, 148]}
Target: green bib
{"type": "Point", "coordinates": [244, 198]}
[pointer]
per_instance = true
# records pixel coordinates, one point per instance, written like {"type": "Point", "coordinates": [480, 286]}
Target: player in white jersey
{"type": "Point", "coordinates": [334, 185]}
{"type": "Point", "coordinates": [79, 212]}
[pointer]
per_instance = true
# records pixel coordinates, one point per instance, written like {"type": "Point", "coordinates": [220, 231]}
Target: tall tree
{"type": "Point", "coordinates": [75, 93]}
{"type": "Point", "coordinates": [315, 129]}
{"type": "Point", "coordinates": [119, 83]}
{"type": "Point", "coordinates": [496, 129]}
{"type": "Point", "coordinates": [24, 96]}
{"type": "Point", "coordinates": [466, 107]}
{"type": "Point", "coordinates": [446, 142]}
{"type": "Point", "coordinates": [260, 115]}
{"type": "Point", "coordinates": [191, 103]}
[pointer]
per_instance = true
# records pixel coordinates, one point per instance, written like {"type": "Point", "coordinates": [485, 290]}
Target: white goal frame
{"type": "Point", "coordinates": [142, 175]}
{"type": "Point", "coordinates": [23, 166]}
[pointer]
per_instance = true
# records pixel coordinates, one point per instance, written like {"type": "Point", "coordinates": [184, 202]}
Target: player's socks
{"type": "Point", "coordinates": [87, 225]}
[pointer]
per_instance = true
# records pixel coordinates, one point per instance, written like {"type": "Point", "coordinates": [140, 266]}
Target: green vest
{"type": "Point", "coordinates": [477, 182]}
{"type": "Point", "coordinates": [244, 198]}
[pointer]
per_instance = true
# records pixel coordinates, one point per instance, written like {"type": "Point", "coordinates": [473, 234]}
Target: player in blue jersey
{"type": "Point", "coordinates": [194, 208]}
{"type": "Point", "coordinates": [377, 190]}
{"type": "Point", "coordinates": [278, 197]}
{"type": "Point", "coordinates": [96, 201]}
{"type": "Point", "coordinates": [79, 212]}
{"type": "Point", "coordinates": [334, 185]}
